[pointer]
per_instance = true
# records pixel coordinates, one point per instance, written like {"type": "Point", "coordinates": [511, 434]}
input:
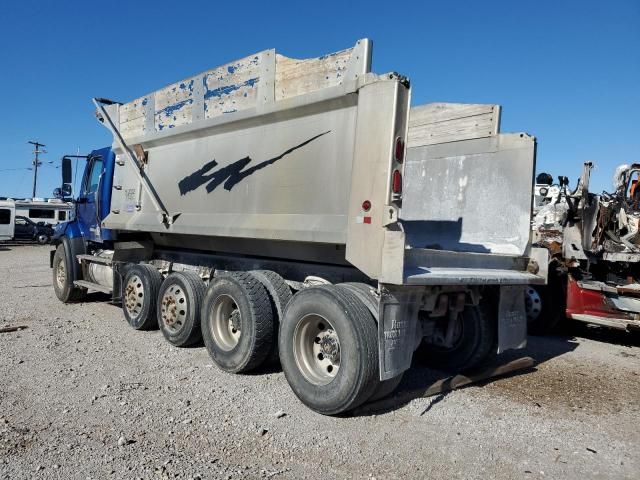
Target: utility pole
{"type": "Point", "coordinates": [35, 164]}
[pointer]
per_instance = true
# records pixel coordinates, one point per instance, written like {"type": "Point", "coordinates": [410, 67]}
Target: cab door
{"type": "Point", "coordinates": [88, 203]}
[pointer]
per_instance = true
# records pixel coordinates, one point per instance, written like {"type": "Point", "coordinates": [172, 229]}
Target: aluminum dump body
{"type": "Point", "coordinates": [274, 149]}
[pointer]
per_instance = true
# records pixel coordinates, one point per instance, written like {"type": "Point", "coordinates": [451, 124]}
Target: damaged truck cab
{"type": "Point", "coordinates": [594, 244]}
{"type": "Point", "coordinates": [300, 211]}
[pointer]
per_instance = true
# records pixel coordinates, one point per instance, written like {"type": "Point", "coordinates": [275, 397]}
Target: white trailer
{"type": "Point", "coordinates": [271, 207]}
{"type": "Point", "coordinates": [7, 219]}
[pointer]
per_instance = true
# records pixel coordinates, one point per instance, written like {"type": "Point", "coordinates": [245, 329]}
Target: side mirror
{"type": "Point", "coordinates": [66, 190]}
{"type": "Point", "coordinates": [66, 171]}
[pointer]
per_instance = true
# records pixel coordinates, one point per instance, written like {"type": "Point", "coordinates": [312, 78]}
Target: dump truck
{"type": "Point", "coordinates": [299, 211]}
{"type": "Point", "coordinates": [594, 250]}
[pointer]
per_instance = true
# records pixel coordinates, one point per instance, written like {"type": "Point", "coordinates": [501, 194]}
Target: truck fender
{"type": "Point", "coordinates": [72, 247]}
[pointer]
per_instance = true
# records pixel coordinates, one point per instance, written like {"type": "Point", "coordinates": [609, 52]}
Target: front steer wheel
{"type": "Point", "coordinates": [328, 349]}
{"type": "Point", "coordinates": [63, 285]}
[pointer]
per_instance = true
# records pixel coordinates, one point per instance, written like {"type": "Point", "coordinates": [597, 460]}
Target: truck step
{"type": "Point", "coordinates": [91, 286]}
{"type": "Point", "coordinates": [91, 258]}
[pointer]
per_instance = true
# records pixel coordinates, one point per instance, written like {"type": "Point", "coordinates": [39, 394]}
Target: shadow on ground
{"type": "Point", "coordinates": [599, 333]}
{"type": "Point", "coordinates": [421, 379]}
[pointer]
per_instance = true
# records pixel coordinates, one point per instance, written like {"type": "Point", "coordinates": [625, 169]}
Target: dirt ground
{"type": "Point", "coordinates": [82, 395]}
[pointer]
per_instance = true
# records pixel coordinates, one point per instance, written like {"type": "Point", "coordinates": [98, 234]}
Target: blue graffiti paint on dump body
{"type": "Point", "coordinates": [171, 109]}
{"type": "Point", "coordinates": [227, 89]}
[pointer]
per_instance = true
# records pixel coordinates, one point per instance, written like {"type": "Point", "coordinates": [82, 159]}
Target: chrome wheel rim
{"type": "Point", "coordinates": [61, 274]}
{"type": "Point", "coordinates": [225, 322]}
{"type": "Point", "coordinates": [173, 308]}
{"type": "Point", "coordinates": [532, 304]}
{"type": "Point", "coordinates": [316, 349]}
{"type": "Point", "coordinates": [134, 296]}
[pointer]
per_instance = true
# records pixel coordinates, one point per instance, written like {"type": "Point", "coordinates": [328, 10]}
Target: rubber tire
{"type": "Point", "coordinates": [256, 317]}
{"type": "Point", "coordinates": [554, 301]}
{"type": "Point", "coordinates": [194, 288]}
{"type": "Point", "coordinates": [151, 281]}
{"type": "Point", "coordinates": [279, 296]}
{"type": "Point", "coordinates": [363, 292]}
{"type": "Point", "coordinates": [476, 347]}
{"type": "Point", "coordinates": [358, 375]}
{"type": "Point", "coordinates": [42, 239]}
{"type": "Point", "coordinates": [69, 292]}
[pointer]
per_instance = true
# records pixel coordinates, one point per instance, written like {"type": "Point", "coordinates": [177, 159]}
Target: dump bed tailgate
{"type": "Point", "coordinates": [471, 195]}
{"type": "Point", "coordinates": [466, 203]}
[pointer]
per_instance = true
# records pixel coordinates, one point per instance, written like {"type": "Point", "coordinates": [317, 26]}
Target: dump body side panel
{"type": "Point", "coordinates": [286, 178]}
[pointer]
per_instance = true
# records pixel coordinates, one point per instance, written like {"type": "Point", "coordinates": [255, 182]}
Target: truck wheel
{"type": "Point", "coordinates": [279, 295]}
{"type": "Point", "coordinates": [179, 304]}
{"type": "Point", "coordinates": [62, 281]}
{"type": "Point", "coordinates": [545, 306]}
{"type": "Point", "coordinates": [237, 322]}
{"type": "Point", "coordinates": [363, 292]}
{"type": "Point", "coordinates": [329, 350]}
{"type": "Point", "coordinates": [42, 239]}
{"type": "Point", "coordinates": [139, 295]}
{"type": "Point", "coordinates": [473, 343]}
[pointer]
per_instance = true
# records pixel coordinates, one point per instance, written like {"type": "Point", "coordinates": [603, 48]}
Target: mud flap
{"type": "Point", "coordinates": [512, 318]}
{"type": "Point", "coordinates": [397, 329]}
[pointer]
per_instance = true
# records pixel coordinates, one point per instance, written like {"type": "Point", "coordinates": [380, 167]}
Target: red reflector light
{"type": "Point", "coordinates": [399, 150]}
{"type": "Point", "coordinates": [396, 183]}
{"type": "Point", "coordinates": [366, 205]}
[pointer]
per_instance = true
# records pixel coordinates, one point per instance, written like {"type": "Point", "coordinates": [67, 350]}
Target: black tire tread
{"type": "Point", "coordinates": [279, 296]}
{"type": "Point", "coordinates": [261, 305]}
{"type": "Point", "coordinates": [260, 311]}
{"type": "Point", "coordinates": [74, 294]}
{"type": "Point", "coordinates": [363, 292]}
{"type": "Point", "coordinates": [369, 332]}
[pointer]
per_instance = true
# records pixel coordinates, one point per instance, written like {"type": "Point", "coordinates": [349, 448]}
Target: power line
{"type": "Point", "coordinates": [36, 163]}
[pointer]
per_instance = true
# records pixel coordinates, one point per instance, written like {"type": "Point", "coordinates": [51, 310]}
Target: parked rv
{"type": "Point", "coordinates": [51, 211]}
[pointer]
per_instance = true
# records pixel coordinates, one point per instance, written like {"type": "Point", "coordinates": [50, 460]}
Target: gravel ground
{"type": "Point", "coordinates": [84, 396]}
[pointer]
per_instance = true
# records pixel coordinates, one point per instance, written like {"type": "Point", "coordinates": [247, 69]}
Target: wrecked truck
{"type": "Point", "coordinates": [300, 211]}
{"type": "Point", "coordinates": [594, 246]}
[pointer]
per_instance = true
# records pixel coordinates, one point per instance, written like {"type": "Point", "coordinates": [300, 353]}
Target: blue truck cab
{"type": "Point", "coordinates": [84, 231]}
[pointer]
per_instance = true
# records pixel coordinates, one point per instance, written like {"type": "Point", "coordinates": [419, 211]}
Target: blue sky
{"type": "Point", "coordinates": [567, 72]}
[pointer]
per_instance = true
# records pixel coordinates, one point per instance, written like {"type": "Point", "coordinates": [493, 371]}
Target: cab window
{"type": "Point", "coordinates": [93, 178]}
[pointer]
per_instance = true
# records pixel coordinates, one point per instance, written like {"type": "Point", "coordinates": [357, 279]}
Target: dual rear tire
{"type": "Point", "coordinates": [329, 350]}
{"type": "Point", "coordinates": [237, 322]}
